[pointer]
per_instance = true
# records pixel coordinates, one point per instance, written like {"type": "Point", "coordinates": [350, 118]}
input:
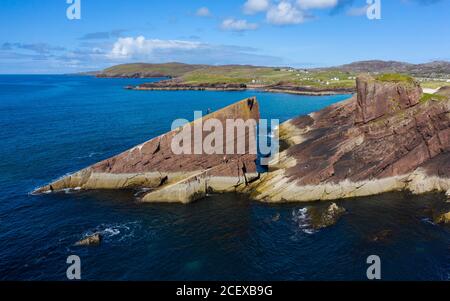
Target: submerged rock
{"type": "Point", "coordinates": [91, 240]}
{"type": "Point", "coordinates": [386, 138]}
{"type": "Point", "coordinates": [381, 236]}
{"type": "Point", "coordinates": [276, 217]}
{"type": "Point", "coordinates": [325, 218]}
{"type": "Point", "coordinates": [443, 218]}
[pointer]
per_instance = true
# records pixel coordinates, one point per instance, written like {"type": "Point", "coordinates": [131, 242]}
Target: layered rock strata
{"type": "Point", "coordinates": [388, 137]}
{"type": "Point", "coordinates": [169, 176]}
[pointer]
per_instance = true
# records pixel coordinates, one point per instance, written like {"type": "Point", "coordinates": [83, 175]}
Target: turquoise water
{"type": "Point", "coordinates": [53, 125]}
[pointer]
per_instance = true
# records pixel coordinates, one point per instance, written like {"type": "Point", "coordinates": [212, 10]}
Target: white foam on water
{"type": "Point", "coordinates": [117, 232]}
{"type": "Point", "coordinates": [140, 191]}
{"type": "Point", "coordinates": [427, 220]}
{"type": "Point", "coordinates": [70, 190]}
{"type": "Point", "coordinates": [302, 219]}
{"type": "Point", "coordinates": [90, 155]}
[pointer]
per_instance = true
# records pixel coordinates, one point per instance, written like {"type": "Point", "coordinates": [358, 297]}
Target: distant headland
{"type": "Point", "coordinates": [317, 81]}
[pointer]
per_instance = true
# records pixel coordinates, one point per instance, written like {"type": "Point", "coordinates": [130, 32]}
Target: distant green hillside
{"type": "Point", "coordinates": [325, 78]}
{"type": "Point", "coordinates": [251, 75]}
{"type": "Point", "coordinates": [236, 74]}
{"type": "Point", "coordinates": [149, 70]}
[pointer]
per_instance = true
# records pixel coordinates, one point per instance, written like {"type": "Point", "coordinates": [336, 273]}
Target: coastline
{"type": "Point", "coordinates": [300, 91]}
{"type": "Point", "coordinates": [138, 88]}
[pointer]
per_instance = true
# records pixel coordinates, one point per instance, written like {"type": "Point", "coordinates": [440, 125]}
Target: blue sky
{"type": "Point", "coordinates": [37, 37]}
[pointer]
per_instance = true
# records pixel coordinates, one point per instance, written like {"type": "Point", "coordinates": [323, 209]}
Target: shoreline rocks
{"type": "Point", "coordinates": [326, 218]}
{"type": "Point", "coordinates": [177, 85]}
{"type": "Point", "coordinates": [443, 218]}
{"type": "Point", "coordinates": [306, 90]}
{"type": "Point", "coordinates": [381, 236]}
{"type": "Point", "coordinates": [91, 240]}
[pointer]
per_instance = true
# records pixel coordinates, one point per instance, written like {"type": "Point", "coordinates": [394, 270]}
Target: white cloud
{"type": "Point", "coordinates": [312, 4]}
{"type": "Point", "coordinates": [238, 25]}
{"type": "Point", "coordinates": [140, 46]}
{"type": "Point", "coordinates": [141, 49]}
{"type": "Point", "coordinates": [255, 6]}
{"type": "Point", "coordinates": [284, 13]}
{"type": "Point", "coordinates": [203, 12]}
{"type": "Point", "coordinates": [357, 11]}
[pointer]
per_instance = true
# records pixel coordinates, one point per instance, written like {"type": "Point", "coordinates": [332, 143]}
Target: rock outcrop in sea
{"type": "Point", "coordinates": [443, 218]}
{"type": "Point", "coordinates": [170, 177]}
{"type": "Point", "coordinates": [325, 218]}
{"type": "Point", "coordinates": [91, 240]}
{"type": "Point", "coordinates": [389, 137]}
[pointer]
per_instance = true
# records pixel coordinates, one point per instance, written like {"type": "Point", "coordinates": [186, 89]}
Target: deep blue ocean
{"type": "Point", "coordinates": [54, 125]}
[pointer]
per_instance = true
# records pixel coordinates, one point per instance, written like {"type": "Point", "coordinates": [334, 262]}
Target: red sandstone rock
{"type": "Point", "coordinates": [385, 131]}
{"type": "Point", "coordinates": [376, 99]}
{"type": "Point", "coordinates": [154, 165]}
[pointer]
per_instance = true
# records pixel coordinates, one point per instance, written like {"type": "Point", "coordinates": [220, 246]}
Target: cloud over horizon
{"type": "Point", "coordinates": [129, 46]}
{"type": "Point", "coordinates": [156, 50]}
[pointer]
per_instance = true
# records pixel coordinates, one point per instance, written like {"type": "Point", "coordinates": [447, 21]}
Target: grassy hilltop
{"type": "Point", "coordinates": [431, 75]}
{"type": "Point", "coordinates": [251, 75]}
{"type": "Point", "coordinates": [236, 74]}
{"type": "Point", "coordinates": [144, 70]}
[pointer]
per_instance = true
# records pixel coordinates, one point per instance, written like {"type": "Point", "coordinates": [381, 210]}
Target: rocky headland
{"type": "Point", "coordinates": [306, 90]}
{"type": "Point", "coordinates": [168, 177]}
{"type": "Point", "coordinates": [176, 85]}
{"type": "Point", "coordinates": [91, 240]}
{"type": "Point", "coordinates": [389, 137]}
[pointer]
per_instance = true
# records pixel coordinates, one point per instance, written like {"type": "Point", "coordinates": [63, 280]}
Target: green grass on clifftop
{"type": "Point", "coordinates": [167, 69]}
{"type": "Point", "coordinates": [395, 77]}
{"type": "Point", "coordinates": [251, 75]}
{"type": "Point", "coordinates": [427, 97]}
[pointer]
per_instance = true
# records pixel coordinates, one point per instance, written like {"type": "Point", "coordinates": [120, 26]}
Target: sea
{"type": "Point", "coordinates": [52, 125]}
